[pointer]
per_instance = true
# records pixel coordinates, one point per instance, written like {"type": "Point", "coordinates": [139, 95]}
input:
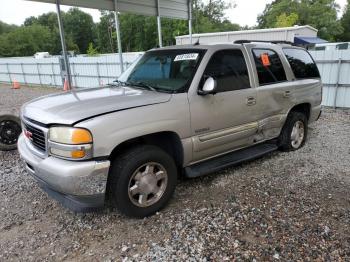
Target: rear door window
{"type": "Point", "coordinates": [302, 64]}
{"type": "Point", "coordinates": [268, 66]}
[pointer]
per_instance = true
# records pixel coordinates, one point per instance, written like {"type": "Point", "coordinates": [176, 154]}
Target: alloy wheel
{"type": "Point", "coordinates": [147, 184]}
{"type": "Point", "coordinates": [298, 134]}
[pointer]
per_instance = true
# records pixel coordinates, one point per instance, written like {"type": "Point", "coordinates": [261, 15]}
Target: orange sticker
{"type": "Point", "coordinates": [265, 59]}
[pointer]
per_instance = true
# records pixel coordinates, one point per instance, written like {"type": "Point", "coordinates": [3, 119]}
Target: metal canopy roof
{"type": "Point", "coordinates": [181, 9]}
{"type": "Point", "coordinates": [167, 8]}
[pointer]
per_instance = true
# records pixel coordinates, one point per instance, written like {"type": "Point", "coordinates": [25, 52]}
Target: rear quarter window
{"type": "Point", "coordinates": [302, 64]}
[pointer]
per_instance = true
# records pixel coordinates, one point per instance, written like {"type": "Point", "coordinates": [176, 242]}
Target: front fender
{"type": "Point", "coordinates": [113, 129]}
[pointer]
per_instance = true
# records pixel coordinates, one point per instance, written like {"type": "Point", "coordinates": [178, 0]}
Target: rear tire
{"type": "Point", "coordinates": [294, 132]}
{"type": "Point", "coordinates": [10, 129]}
{"type": "Point", "coordinates": [142, 180]}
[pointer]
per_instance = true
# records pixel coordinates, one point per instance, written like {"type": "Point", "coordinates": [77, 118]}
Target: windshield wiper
{"type": "Point", "coordinates": [117, 83]}
{"type": "Point", "coordinates": [141, 84]}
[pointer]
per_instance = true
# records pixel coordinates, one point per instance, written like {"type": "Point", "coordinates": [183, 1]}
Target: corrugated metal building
{"type": "Point", "coordinates": [273, 34]}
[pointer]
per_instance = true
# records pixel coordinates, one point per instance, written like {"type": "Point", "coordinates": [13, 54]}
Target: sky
{"type": "Point", "coordinates": [16, 11]}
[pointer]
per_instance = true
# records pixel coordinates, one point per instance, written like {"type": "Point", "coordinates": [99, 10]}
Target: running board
{"type": "Point", "coordinates": [230, 159]}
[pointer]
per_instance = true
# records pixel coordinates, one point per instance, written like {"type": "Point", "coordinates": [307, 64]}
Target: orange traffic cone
{"type": "Point", "coordinates": [66, 86]}
{"type": "Point", "coordinates": [16, 84]}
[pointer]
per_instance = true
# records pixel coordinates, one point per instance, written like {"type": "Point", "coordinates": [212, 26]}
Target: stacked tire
{"type": "Point", "coordinates": [10, 129]}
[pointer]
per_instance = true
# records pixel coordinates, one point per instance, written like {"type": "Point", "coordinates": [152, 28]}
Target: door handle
{"type": "Point", "coordinates": [286, 93]}
{"type": "Point", "coordinates": [251, 101]}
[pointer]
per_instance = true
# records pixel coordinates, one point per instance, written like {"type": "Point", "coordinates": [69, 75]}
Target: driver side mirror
{"type": "Point", "coordinates": [209, 87]}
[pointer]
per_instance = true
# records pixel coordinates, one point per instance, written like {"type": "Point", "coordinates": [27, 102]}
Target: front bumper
{"type": "Point", "coordinates": [79, 186]}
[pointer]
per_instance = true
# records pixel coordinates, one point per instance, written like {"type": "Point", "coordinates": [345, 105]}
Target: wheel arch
{"type": "Point", "coordinates": [304, 108]}
{"type": "Point", "coordinates": [169, 141]}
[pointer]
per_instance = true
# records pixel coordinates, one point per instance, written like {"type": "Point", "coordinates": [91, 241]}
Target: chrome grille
{"type": "Point", "coordinates": [36, 136]}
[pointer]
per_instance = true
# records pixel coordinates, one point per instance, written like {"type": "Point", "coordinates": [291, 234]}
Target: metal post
{"type": "Point", "coordinates": [24, 74]}
{"type": "Point", "coordinates": [37, 67]}
{"type": "Point", "coordinates": [108, 71]}
{"type": "Point", "coordinates": [53, 73]}
{"type": "Point", "coordinates": [159, 24]}
{"type": "Point", "coordinates": [74, 75]}
{"type": "Point", "coordinates": [190, 19]}
{"type": "Point", "coordinates": [8, 72]}
{"type": "Point", "coordinates": [117, 28]}
{"type": "Point", "coordinates": [63, 43]}
{"type": "Point", "coordinates": [98, 73]}
{"type": "Point", "coordinates": [337, 84]}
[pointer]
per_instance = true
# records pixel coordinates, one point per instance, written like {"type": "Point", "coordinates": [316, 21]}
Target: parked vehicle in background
{"type": "Point", "coordinates": [182, 110]}
{"type": "Point", "coordinates": [40, 55]}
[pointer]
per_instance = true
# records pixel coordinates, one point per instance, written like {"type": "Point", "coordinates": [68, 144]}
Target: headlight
{"type": "Point", "coordinates": [70, 135]}
{"type": "Point", "coordinates": [70, 142]}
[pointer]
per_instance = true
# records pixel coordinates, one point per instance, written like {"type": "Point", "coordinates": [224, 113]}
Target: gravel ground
{"type": "Point", "coordinates": [284, 206]}
{"type": "Point", "coordinates": [12, 99]}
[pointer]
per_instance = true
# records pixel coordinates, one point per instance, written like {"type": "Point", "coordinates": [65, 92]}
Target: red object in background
{"type": "Point", "coordinates": [16, 84]}
{"type": "Point", "coordinates": [66, 86]}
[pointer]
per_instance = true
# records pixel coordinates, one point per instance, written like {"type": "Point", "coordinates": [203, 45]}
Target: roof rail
{"type": "Point", "coordinates": [262, 41]}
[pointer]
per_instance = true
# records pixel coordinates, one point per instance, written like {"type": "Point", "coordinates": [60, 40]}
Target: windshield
{"type": "Point", "coordinates": [164, 70]}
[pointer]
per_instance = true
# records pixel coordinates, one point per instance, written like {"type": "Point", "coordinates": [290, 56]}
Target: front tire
{"type": "Point", "coordinates": [142, 181]}
{"type": "Point", "coordinates": [294, 132]}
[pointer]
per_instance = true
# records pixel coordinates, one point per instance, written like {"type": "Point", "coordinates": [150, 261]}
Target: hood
{"type": "Point", "coordinates": [74, 106]}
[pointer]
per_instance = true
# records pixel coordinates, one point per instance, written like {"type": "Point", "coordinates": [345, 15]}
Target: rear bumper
{"type": "Point", "coordinates": [315, 113]}
{"type": "Point", "coordinates": [79, 186]}
{"type": "Point", "coordinates": [319, 115]}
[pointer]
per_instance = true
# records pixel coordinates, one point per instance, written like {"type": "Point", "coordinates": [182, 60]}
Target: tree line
{"type": "Point", "coordinates": [321, 14]}
{"type": "Point", "coordinates": [139, 33]}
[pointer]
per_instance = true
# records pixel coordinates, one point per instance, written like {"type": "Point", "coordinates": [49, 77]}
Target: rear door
{"type": "Point", "coordinates": [274, 88]}
{"type": "Point", "coordinates": [227, 120]}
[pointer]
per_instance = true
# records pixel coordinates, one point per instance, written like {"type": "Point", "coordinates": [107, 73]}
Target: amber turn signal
{"type": "Point", "coordinates": [81, 136]}
{"type": "Point", "coordinates": [78, 154]}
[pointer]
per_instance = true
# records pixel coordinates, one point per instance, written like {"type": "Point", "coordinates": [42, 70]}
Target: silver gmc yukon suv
{"type": "Point", "coordinates": [177, 111]}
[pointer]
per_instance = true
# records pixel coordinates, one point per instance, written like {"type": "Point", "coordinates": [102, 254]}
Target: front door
{"type": "Point", "coordinates": [227, 120]}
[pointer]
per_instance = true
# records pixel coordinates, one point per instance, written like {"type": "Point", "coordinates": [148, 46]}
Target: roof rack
{"type": "Point", "coordinates": [262, 41]}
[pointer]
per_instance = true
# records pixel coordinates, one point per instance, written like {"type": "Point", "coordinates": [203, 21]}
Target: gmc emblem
{"type": "Point", "coordinates": [28, 134]}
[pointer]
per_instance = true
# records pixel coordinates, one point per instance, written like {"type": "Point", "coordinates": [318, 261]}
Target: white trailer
{"type": "Point", "coordinates": [40, 55]}
{"type": "Point", "coordinates": [274, 34]}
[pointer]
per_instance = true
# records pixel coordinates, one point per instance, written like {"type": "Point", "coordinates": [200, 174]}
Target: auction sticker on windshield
{"type": "Point", "coordinates": [190, 56]}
